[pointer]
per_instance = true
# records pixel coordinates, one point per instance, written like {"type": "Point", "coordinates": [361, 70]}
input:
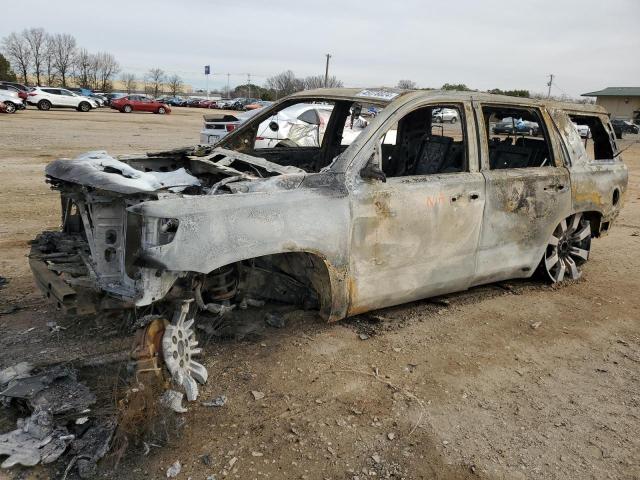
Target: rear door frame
{"type": "Point", "coordinates": [523, 205]}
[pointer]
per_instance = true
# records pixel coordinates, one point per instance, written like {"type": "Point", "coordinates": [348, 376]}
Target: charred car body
{"type": "Point", "coordinates": [406, 210]}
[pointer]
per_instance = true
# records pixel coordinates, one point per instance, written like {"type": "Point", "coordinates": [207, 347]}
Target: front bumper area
{"type": "Point", "coordinates": [49, 271]}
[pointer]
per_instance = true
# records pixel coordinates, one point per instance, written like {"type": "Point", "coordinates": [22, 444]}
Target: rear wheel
{"type": "Point", "coordinates": [9, 107]}
{"type": "Point", "coordinates": [84, 107]}
{"type": "Point", "coordinates": [127, 109]}
{"type": "Point", "coordinates": [567, 249]}
{"type": "Point", "coordinates": [44, 105]}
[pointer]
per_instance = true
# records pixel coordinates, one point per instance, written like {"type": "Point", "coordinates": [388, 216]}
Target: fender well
{"type": "Point", "coordinates": [597, 226]}
{"type": "Point", "coordinates": [302, 278]}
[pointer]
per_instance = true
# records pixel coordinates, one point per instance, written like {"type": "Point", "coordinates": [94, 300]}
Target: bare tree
{"type": "Point", "coordinates": [175, 84]}
{"type": "Point", "coordinates": [83, 63]}
{"type": "Point", "coordinates": [16, 48]}
{"type": "Point", "coordinates": [156, 78]}
{"type": "Point", "coordinates": [107, 68]}
{"type": "Point", "coordinates": [129, 81]}
{"type": "Point", "coordinates": [317, 81]}
{"type": "Point", "coordinates": [64, 52]}
{"type": "Point", "coordinates": [407, 85]}
{"type": "Point", "coordinates": [285, 83]}
{"type": "Point", "coordinates": [37, 40]}
{"type": "Point", "coordinates": [48, 60]}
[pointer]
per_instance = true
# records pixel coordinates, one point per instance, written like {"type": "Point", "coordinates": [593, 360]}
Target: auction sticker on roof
{"type": "Point", "coordinates": [381, 94]}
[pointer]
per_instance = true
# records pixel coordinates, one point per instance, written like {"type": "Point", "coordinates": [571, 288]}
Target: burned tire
{"type": "Point", "coordinates": [127, 109]}
{"type": "Point", "coordinates": [567, 250]}
{"type": "Point", "coordinates": [84, 107]}
{"type": "Point", "coordinates": [44, 105]}
{"type": "Point", "coordinates": [9, 107]}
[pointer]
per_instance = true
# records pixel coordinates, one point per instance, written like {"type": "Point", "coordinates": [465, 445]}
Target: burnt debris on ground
{"type": "Point", "coordinates": [59, 418]}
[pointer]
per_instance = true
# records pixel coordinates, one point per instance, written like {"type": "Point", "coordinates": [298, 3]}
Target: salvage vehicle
{"type": "Point", "coordinates": [139, 103]}
{"type": "Point", "coordinates": [46, 97]}
{"type": "Point", "coordinates": [407, 210]}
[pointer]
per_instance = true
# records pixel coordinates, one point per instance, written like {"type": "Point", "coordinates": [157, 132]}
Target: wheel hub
{"type": "Point", "coordinates": [563, 248]}
{"type": "Point", "coordinates": [179, 348]}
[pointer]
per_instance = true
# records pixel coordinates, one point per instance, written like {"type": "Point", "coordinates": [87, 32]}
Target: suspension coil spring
{"type": "Point", "coordinates": [222, 283]}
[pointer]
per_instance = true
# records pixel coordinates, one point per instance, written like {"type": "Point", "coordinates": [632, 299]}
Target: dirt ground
{"type": "Point", "coordinates": [460, 389]}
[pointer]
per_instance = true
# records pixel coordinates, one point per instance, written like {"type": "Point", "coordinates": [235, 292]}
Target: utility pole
{"type": "Point", "coordinates": [228, 94]}
{"type": "Point", "coordinates": [249, 83]}
{"type": "Point", "coordinates": [326, 71]}
{"type": "Point", "coordinates": [549, 83]}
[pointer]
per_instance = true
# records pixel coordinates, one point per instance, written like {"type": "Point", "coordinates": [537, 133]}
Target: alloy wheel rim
{"type": "Point", "coordinates": [568, 249]}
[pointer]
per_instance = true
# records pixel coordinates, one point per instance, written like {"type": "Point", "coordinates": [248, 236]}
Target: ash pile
{"type": "Point", "coordinates": [56, 419]}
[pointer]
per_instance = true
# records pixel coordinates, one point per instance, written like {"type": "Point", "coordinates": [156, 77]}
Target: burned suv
{"type": "Point", "coordinates": [340, 216]}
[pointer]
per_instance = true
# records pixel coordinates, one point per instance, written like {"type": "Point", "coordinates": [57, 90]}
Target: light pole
{"type": "Point", "coordinates": [326, 71]}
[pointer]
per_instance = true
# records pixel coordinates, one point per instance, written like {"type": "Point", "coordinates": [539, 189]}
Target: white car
{"type": "Point", "coordinates": [442, 115]}
{"type": "Point", "coordinates": [583, 130]}
{"type": "Point", "coordinates": [301, 124]}
{"type": "Point", "coordinates": [46, 97]}
{"type": "Point", "coordinates": [11, 101]}
{"type": "Point", "coordinates": [218, 125]}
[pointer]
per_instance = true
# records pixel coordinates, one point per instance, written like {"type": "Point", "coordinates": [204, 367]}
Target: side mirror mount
{"type": "Point", "coordinates": [273, 126]}
{"type": "Point", "coordinates": [373, 172]}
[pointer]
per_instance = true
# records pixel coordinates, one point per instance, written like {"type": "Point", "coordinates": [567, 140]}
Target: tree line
{"type": "Point", "coordinates": [56, 59]}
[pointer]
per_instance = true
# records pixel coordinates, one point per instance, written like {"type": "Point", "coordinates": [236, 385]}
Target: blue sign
{"type": "Point", "coordinates": [207, 70]}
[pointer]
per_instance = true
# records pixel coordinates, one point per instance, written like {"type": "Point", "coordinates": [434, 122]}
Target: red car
{"type": "Point", "coordinates": [139, 103]}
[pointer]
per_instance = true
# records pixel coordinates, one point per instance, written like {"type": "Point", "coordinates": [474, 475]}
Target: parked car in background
{"type": "Point", "coordinates": [99, 98]}
{"type": "Point", "coordinates": [6, 87]}
{"type": "Point", "coordinates": [448, 115]}
{"type": "Point", "coordinates": [225, 103]}
{"type": "Point", "coordinates": [46, 97]}
{"type": "Point", "coordinates": [583, 130]}
{"type": "Point", "coordinates": [17, 86]}
{"type": "Point", "coordinates": [241, 103]}
{"type": "Point", "coordinates": [625, 126]}
{"type": "Point", "coordinates": [3, 107]}
{"type": "Point", "coordinates": [11, 100]}
{"type": "Point", "coordinates": [258, 104]}
{"type": "Point", "coordinates": [114, 95]}
{"type": "Point", "coordinates": [139, 103]}
{"type": "Point", "coordinates": [218, 125]}
{"type": "Point", "coordinates": [193, 102]}
{"type": "Point", "coordinates": [174, 101]}
{"type": "Point", "coordinates": [511, 125]}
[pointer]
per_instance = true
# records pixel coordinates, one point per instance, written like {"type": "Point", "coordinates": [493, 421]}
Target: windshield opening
{"type": "Point", "coordinates": [305, 133]}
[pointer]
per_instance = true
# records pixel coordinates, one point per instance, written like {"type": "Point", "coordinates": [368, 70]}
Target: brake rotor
{"type": "Point", "coordinates": [148, 346]}
{"type": "Point", "coordinates": [179, 346]}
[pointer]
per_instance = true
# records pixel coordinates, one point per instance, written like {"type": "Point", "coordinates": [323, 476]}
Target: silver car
{"type": "Point", "coordinates": [402, 212]}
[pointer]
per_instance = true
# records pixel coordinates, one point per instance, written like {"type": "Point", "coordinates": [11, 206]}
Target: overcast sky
{"type": "Point", "coordinates": [587, 44]}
